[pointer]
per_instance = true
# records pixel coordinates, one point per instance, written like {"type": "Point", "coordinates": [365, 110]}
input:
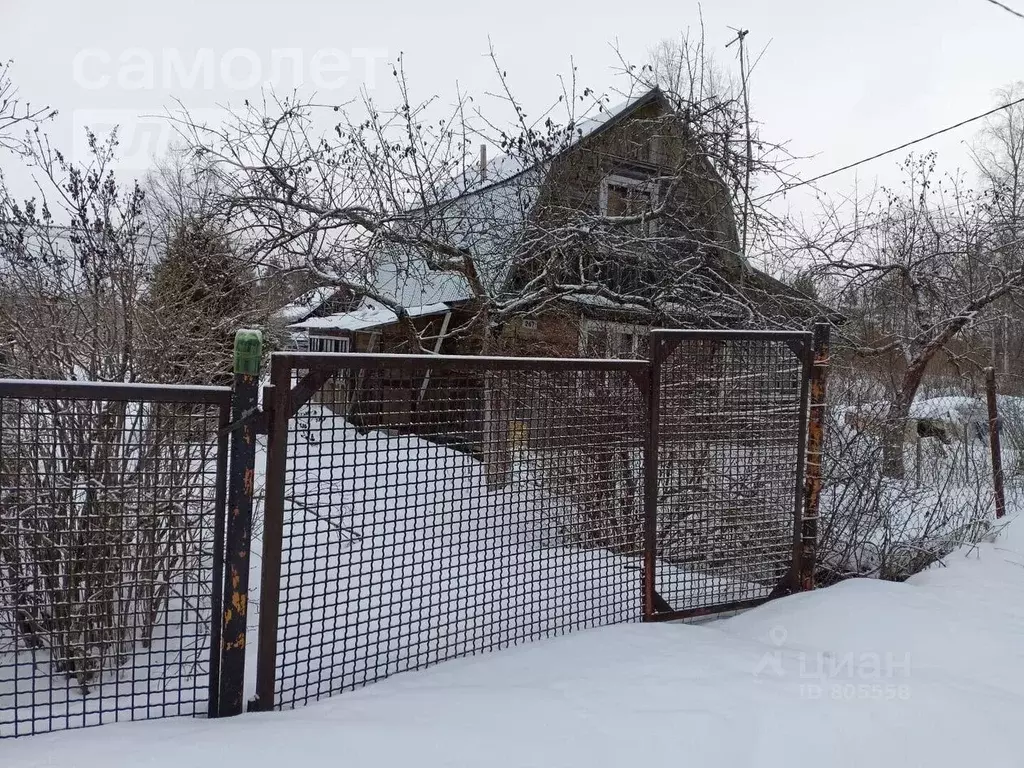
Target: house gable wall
{"type": "Point", "coordinates": [649, 142]}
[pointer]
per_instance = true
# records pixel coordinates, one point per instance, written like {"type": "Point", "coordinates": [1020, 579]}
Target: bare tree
{"type": "Point", "coordinates": [16, 115]}
{"type": "Point", "coordinates": [404, 187]}
{"type": "Point", "coordinates": [199, 290]}
{"type": "Point", "coordinates": [179, 189]}
{"type": "Point", "coordinates": [74, 260]}
{"type": "Point", "coordinates": [998, 153]}
{"type": "Point", "coordinates": [101, 501]}
{"type": "Point", "coordinates": [914, 271]}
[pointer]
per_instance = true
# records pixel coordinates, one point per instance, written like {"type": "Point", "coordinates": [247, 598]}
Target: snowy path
{"type": "Point", "coordinates": [865, 673]}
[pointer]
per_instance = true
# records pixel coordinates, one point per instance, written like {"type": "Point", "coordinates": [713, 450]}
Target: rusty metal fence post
{"type": "Point", "coordinates": [277, 399]}
{"type": "Point", "coordinates": [217, 583]}
{"type": "Point", "coordinates": [994, 444]}
{"type": "Point", "coordinates": [650, 505]}
{"type": "Point", "coordinates": [813, 456]}
{"type": "Point", "coordinates": [242, 473]}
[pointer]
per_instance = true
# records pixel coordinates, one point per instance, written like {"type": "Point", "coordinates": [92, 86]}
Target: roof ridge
{"type": "Point", "coordinates": [610, 118]}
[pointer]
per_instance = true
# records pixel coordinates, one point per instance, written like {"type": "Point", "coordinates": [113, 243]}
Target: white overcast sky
{"type": "Point", "coordinates": [840, 79]}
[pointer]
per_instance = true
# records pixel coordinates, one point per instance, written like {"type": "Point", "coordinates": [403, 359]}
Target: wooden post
{"type": "Point", "coordinates": [815, 447]}
{"type": "Point", "coordinates": [241, 477]}
{"type": "Point", "coordinates": [993, 439]}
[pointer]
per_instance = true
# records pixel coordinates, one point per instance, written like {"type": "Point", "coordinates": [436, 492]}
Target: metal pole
{"type": "Point", "coordinates": [815, 446]}
{"type": "Point", "coordinates": [993, 439]}
{"type": "Point", "coordinates": [241, 477]}
{"type": "Point", "coordinates": [273, 531]}
{"type": "Point", "coordinates": [651, 478]}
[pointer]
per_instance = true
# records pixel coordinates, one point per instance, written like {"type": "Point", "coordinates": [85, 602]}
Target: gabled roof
{"type": "Point", "coordinates": [489, 216]}
{"type": "Point", "coordinates": [504, 168]}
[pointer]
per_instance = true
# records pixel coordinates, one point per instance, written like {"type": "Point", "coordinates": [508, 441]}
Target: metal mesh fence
{"type": "Point", "coordinates": [439, 508]}
{"type": "Point", "coordinates": [110, 542]}
{"type": "Point", "coordinates": [731, 426]}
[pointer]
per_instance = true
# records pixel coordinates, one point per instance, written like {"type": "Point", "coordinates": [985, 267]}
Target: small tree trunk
{"type": "Point", "coordinates": [893, 432]}
{"type": "Point", "coordinates": [895, 426]}
{"type": "Point", "coordinates": [497, 456]}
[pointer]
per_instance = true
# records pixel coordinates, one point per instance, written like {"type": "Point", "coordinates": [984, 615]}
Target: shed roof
{"type": "Point", "coordinates": [369, 314]}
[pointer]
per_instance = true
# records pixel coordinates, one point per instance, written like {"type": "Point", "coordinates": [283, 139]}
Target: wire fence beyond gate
{"type": "Point", "coordinates": [730, 425]}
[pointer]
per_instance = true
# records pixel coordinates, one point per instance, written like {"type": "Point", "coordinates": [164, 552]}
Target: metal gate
{"type": "Point", "coordinates": [417, 508]}
{"type": "Point", "coordinates": [421, 508]}
{"type": "Point", "coordinates": [726, 442]}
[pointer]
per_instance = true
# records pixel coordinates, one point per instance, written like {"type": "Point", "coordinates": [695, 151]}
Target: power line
{"type": "Point", "coordinates": [1007, 8]}
{"type": "Point", "coordinates": [891, 151]}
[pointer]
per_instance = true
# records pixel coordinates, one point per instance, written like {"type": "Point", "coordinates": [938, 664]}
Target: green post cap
{"type": "Point", "coordinates": [248, 351]}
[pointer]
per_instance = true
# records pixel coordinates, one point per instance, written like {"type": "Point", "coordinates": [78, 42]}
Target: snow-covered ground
{"type": "Point", "coordinates": [930, 672]}
{"type": "Point", "coordinates": [396, 557]}
{"type": "Point", "coordinates": [886, 527]}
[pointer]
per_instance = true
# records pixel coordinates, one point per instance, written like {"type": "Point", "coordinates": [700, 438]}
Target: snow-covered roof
{"type": "Point", "coordinates": [305, 304]}
{"type": "Point", "coordinates": [369, 314]}
{"type": "Point", "coordinates": [413, 285]}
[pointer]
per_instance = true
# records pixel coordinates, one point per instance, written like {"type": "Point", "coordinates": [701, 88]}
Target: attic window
{"type": "Point", "coordinates": [625, 196]}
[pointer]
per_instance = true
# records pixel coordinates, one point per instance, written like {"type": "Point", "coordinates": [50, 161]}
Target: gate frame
{"type": "Point", "coordinates": [282, 401]}
{"type": "Point", "coordinates": [664, 341]}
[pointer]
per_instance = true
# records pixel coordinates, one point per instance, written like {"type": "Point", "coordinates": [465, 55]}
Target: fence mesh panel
{"type": "Point", "coordinates": [729, 450]}
{"type": "Point", "coordinates": [108, 527]}
{"type": "Point", "coordinates": [432, 514]}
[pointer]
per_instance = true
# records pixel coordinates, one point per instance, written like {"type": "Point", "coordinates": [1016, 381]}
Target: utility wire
{"type": "Point", "coordinates": [890, 151]}
{"type": "Point", "coordinates": [1007, 8]}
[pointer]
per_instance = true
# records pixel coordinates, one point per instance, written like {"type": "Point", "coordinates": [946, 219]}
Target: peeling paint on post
{"type": "Point", "coordinates": [815, 445]}
{"type": "Point", "coordinates": [248, 352]}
